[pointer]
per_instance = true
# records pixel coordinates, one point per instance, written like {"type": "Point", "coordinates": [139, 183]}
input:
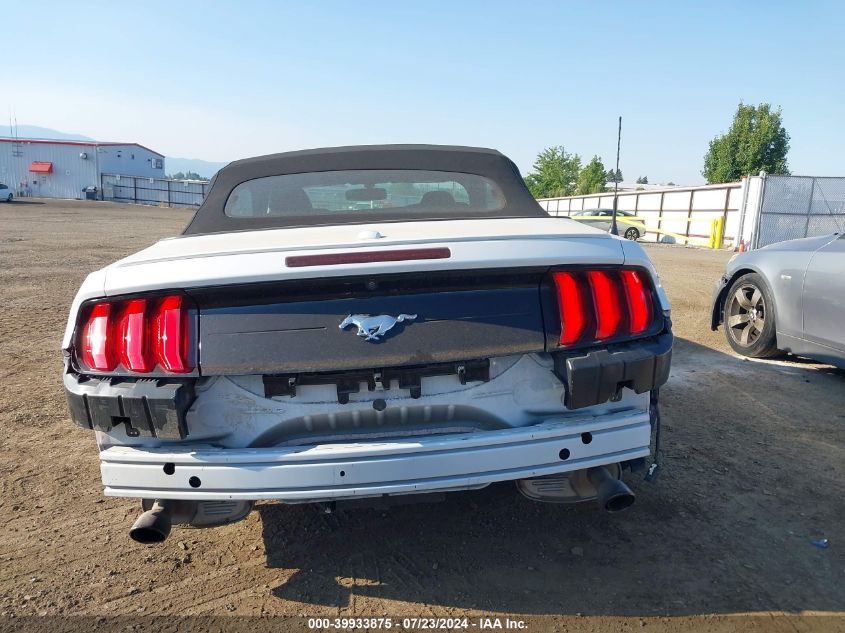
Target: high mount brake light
{"type": "Point", "coordinates": [598, 305]}
{"type": "Point", "coordinates": [137, 336]}
{"type": "Point", "coordinates": [367, 257]}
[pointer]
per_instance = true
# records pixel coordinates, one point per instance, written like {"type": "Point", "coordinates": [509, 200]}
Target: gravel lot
{"type": "Point", "coordinates": [754, 463]}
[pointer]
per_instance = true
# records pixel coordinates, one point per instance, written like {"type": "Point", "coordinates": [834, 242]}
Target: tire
{"type": "Point", "coordinates": [632, 234]}
{"type": "Point", "coordinates": [749, 317]}
{"type": "Point", "coordinates": [9, 198]}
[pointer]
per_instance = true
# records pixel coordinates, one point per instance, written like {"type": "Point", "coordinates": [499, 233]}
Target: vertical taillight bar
{"type": "Point", "coordinates": [608, 309]}
{"type": "Point", "coordinates": [638, 300]}
{"type": "Point", "coordinates": [171, 335]}
{"type": "Point", "coordinates": [98, 339]}
{"type": "Point", "coordinates": [574, 314]}
{"type": "Point", "coordinates": [134, 344]}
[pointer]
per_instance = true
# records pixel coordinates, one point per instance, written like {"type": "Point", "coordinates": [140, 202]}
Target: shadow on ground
{"type": "Point", "coordinates": [726, 528]}
{"type": "Point", "coordinates": [22, 201]}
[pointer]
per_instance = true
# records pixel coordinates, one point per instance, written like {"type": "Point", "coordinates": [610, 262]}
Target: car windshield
{"type": "Point", "coordinates": [331, 192]}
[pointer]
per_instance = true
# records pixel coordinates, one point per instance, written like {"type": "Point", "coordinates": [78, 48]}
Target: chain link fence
{"type": "Point", "coordinates": [800, 206]}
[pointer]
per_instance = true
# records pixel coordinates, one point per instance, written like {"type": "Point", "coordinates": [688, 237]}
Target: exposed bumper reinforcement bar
{"type": "Point", "coordinates": [334, 471]}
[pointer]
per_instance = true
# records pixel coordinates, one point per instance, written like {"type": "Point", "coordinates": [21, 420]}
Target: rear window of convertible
{"type": "Point", "coordinates": [346, 192]}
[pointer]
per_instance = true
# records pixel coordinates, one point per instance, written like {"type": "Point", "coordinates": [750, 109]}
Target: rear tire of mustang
{"type": "Point", "coordinates": [632, 234]}
{"type": "Point", "coordinates": [749, 317]}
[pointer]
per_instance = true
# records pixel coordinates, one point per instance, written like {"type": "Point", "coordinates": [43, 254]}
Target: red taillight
{"type": "Point", "coordinates": [598, 305]}
{"type": "Point", "coordinates": [171, 335]}
{"type": "Point", "coordinates": [605, 291]}
{"type": "Point", "coordinates": [136, 335]}
{"type": "Point", "coordinates": [638, 300]}
{"type": "Point", "coordinates": [134, 347]}
{"type": "Point", "coordinates": [573, 308]}
{"type": "Point", "coordinates": [98, 339]}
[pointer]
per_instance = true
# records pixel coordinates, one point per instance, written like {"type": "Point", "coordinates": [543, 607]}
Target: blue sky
{"type": "Point", "coordinates": [224, 80]}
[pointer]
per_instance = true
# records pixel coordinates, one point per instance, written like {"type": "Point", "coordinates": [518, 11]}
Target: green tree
{"type": "Point", "coordinates": [614, 176]}
{"type": "Point", "coordinates": [555, 173]}
{"type": "Point", "coordinates": [592, 178]}
{"type": "Point", "coordinates": [191, 175]}
{"type": "Point", "coordinates": [756, 141]}
{"type": "Point", "coordinates": [642, 180]}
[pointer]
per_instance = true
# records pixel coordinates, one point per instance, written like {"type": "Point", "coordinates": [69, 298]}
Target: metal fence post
{"type": "Point", "coordinates": [809, 206]}
{"type": "Point", "coordinates": [689, 213]}
{"type": "Point", "coordinates": [760, 201]}
{"type": "Point", "coordinates": [743, 208]}
{"type": "Point", "coordinates": [660, 215]}
{"type": "Point", "coordinates": [725, 214]}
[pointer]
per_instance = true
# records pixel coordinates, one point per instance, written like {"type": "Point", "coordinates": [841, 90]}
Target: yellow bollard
{"type": "Point", "coordinates": [717, 233]}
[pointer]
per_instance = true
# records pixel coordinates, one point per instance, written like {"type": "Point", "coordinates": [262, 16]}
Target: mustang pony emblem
{"type": "Point", "coordinates": [371, 328]}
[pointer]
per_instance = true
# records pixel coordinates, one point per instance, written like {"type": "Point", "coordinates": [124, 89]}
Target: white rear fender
{"type": "Point", "coordinates": [92, 288]}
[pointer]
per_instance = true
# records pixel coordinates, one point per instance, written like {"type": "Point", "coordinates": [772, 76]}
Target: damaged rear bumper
{"type": "Point", "coordinates": [296, 474]}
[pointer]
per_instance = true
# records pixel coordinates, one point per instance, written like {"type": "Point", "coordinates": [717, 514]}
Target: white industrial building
{"type": "Point", "coordinates": [63, 169]}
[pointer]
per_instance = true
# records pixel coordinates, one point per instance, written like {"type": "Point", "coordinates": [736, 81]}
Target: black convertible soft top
{"type": "Point", "coordinates": [488, 163]}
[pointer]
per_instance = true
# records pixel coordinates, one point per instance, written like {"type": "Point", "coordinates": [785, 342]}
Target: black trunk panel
{"type": "Point", "coordinates": [275, 329]}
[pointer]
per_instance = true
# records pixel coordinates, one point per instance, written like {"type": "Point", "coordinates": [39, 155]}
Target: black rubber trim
{"type": "Point", "coordinates": [595, 377]}
{"type": "Point", "coordinates": [148, 407]}
{"type": "Point", "coordinates": [347, 382]}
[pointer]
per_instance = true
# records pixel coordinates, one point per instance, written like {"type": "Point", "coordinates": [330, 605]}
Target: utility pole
{"type": "Point", "coordinates": [614, 229]}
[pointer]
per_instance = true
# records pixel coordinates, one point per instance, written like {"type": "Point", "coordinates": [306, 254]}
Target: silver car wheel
{"type": "Point", "coordinates": [746, 315]}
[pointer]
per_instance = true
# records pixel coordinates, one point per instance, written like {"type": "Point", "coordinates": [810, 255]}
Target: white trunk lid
{"type": "Point", "coordinates": [255, 256]}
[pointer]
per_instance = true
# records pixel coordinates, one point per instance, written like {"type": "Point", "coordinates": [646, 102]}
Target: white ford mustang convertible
{"type": "Point", "coordinates": [368, 323]}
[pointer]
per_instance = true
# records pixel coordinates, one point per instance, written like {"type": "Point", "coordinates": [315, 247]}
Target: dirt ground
{"type": "Point", "coordinates": [754, 458]}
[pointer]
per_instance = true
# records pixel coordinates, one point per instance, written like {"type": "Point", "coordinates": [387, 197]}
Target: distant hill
{"type": "Point", "coordinates": [35, 131]}
{"type": "Point", "coordinates": [204, 168]}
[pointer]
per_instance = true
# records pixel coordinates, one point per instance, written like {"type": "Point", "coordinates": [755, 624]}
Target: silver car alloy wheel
{"type": "Point", "coordinates": [746, 314]}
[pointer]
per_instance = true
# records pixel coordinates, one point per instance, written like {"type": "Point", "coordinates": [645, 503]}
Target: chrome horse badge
{"type": "Point", "coordinates": [372, 328]}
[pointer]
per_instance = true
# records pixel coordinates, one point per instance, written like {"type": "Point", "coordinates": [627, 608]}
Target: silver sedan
{"type": "Point", "coordinates": [786, 297]}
